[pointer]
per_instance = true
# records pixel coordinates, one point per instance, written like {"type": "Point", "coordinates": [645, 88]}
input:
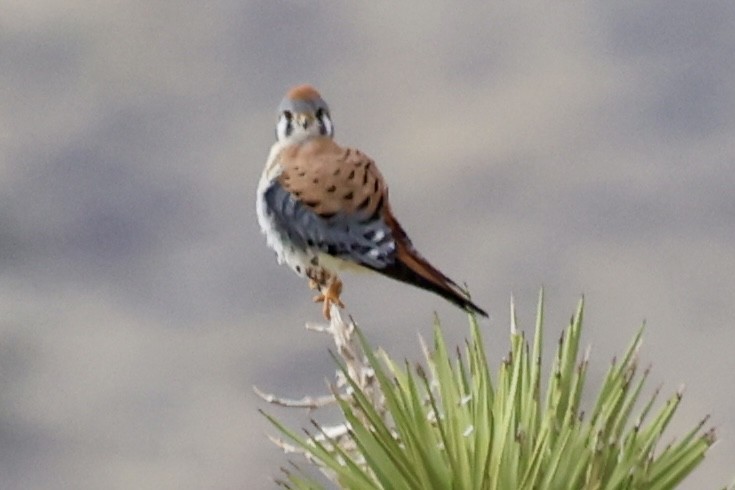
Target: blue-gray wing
{"type": "Point", "coordinates": [361, 236]}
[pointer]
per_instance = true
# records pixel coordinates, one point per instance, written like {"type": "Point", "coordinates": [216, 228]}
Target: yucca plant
{"type": "Point", "coordinates": [453, 425]}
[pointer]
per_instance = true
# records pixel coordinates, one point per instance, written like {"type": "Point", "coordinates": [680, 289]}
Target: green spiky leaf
{"type": "Point", "coordinates": [452, 424]}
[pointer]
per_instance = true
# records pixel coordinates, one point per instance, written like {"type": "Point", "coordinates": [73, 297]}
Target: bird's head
{"type": "Point", "coordinates": [303, 114]}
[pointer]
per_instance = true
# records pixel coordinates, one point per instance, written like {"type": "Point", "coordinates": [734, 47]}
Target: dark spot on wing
{"type": "Point", "coordinates": [378, 209]}
{"type": "Point", "coordinates": [365, 202]}
{"type": "Point", "coordinates": [360, 249]}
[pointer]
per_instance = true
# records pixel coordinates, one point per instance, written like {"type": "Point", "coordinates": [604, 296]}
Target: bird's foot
{"type": "Point", "coordinates": [329, 296]}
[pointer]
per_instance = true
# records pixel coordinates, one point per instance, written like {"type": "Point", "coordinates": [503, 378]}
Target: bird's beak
{"type": "Point", "coordinates": [303, 119]}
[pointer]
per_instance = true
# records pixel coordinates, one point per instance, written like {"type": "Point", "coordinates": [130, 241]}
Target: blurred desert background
{"type": "Point", "coordinates": [588, 147]}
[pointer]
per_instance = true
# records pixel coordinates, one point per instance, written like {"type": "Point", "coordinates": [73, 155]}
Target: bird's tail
{"type": "Point", "coordinates": [410, 267]}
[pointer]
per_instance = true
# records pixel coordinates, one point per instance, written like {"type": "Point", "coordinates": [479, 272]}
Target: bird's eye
{"type": "Point", "coordinates": [288, 115]}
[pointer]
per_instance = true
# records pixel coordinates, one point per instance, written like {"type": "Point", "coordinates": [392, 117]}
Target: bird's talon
{"type": "Point", "coordinates": [330, 296]}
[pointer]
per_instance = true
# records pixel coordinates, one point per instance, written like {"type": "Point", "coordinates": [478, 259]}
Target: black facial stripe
{"type": "Point", "coordinates": [325, 125]}
{"type": "Point", "coordinates": [289, 124]}
{"type": "Point", "coordinates": [284, 127]}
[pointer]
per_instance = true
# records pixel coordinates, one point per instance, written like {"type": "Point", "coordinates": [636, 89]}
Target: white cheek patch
{"type": "Point", "coordinates": [283, 128]}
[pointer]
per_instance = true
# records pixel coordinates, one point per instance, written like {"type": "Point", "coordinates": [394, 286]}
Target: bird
{"type": "Point", "coordinates": [324, 209]}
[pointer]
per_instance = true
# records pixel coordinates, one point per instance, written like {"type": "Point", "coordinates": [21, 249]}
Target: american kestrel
{"type": "Point", "coordinates": [325, 208]}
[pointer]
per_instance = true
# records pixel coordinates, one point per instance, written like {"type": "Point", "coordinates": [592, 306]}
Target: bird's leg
{"type": "Point", "coordinates": [329, 294]}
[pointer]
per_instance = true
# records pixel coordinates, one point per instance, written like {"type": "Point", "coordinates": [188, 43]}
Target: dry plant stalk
{"type": "Point", "coordinates": [341, 328]}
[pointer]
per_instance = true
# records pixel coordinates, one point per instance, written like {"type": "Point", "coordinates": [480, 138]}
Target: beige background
{"type": "Point", "coordinates": [585, 146]}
